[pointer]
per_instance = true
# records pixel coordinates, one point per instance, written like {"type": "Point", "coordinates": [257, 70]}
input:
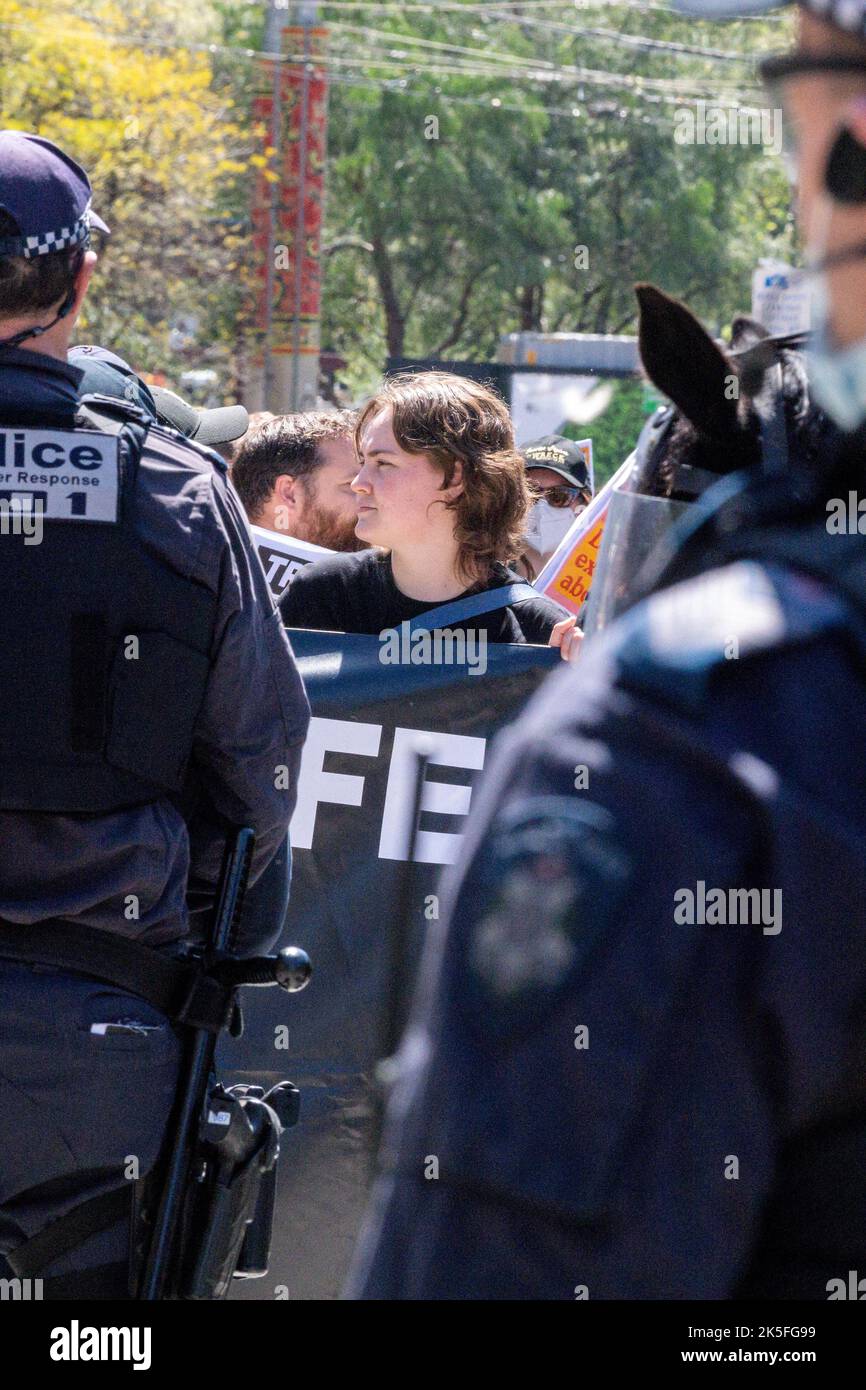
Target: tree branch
{"type": "Point", "coordinates": [462, 314]}
{"type": "Point", "coordinates": [348, 243]}
{"type": "Point", "coordinates": [395, 323]}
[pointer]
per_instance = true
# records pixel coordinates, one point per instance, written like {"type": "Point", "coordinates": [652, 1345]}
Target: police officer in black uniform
{"type": "Point", "coordinates": [636, 1067]}
{"type": "Point", "coordinates": [150, 703]}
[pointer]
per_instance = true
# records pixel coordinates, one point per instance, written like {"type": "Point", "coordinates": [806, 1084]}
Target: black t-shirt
{"type": "Point", "coordinates": [357, 593]}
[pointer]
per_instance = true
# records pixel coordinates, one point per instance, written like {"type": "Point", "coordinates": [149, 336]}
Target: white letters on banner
{"type": "Point", "coordinates": [282, 557]}
{"type": "Point", "coordinates": [444, 750]}
{"type": "Point", "coordinates": [338, 788]}
{"type": "Point", "coordinates": [316, 786]}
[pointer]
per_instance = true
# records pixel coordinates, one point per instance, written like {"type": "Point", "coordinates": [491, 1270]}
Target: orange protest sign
{"type": "Point", "coordinates": [571, 586]}
{"type": "Point", "coordinates": [567, 576]}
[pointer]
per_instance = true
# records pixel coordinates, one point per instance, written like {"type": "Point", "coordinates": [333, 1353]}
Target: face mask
{"type": "Point", "coordinates": [837, 376]}
{"type": "Point", "coordinates": [547, 525]}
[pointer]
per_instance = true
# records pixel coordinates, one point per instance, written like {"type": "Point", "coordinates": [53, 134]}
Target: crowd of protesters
{"type": "Point", "coordinates": [425, 498]}
{"type": "Point", "coordinates": [422, 495]}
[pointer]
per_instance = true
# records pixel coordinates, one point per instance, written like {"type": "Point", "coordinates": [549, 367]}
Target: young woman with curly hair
{"type": "Point", "coordinates": [442, 498]}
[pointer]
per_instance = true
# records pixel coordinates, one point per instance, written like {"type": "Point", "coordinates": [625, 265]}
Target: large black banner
{"type": "Point", "coordinates": [351, 887]}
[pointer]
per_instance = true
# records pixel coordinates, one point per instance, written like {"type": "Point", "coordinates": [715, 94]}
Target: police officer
{"type": "Point", "coordinates": [103, 373]}
{"type": "Point", "coordinates": [150, 703]}
{"type": "Point", "coordinates": [636, 1067]}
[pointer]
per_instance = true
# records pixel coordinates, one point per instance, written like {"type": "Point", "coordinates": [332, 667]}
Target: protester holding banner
{"type": "Point", "coordinates": [294, 475]}
{"type": "Point", "coordinates": [442, 495]}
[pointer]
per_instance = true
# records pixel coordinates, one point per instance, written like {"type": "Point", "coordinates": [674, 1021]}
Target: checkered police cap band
{"type": "Point", "coordinates": [48, 242]}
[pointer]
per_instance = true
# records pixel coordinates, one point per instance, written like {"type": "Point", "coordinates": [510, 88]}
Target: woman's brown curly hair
{"type": "Point", "coordinates": [451, 418]}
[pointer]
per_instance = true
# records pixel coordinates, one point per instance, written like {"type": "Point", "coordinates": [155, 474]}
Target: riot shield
{"type": "Point", "coordinates": [635, 527]}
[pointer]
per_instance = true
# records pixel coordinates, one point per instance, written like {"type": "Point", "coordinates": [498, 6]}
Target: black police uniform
{"type": "Point", "coordinates": [149, 702]}
{"type": "Point", "coordinates": [628, 1076]}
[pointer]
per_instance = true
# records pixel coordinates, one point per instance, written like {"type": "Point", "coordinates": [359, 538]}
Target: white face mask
{"type": "Point", "coordinates": [547, 525]}
{"type": "Point", "coordinates": [837, 376]}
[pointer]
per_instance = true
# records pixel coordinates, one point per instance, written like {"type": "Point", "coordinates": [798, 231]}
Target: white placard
{"type": "Point", "coordinates": [545, 404]}
{"type": "Point", "coordinates": [282, 556]}
{"type": "Point", "coordinates": [781, 299]}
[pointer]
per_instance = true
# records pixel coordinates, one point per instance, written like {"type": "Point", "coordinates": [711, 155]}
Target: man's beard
{"type": "Point", "coordinates": [329, 530]}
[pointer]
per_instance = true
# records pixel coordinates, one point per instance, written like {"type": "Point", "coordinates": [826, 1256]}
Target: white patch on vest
{"type": "Point", "coordinates": [522, 942]}
{"type": "Point", "coordinates": [62, 475]}
{"type": "Point", "coordinates": [698, 619]}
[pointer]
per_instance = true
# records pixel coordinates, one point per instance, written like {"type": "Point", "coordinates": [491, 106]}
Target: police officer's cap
{"type": "Point", "coordinates": [106, 374]}
{"type": "Point", "coordinates": [46, 194]}
{"type": "Point", "coordinates": [849, 15]}
{"type": "Point", "coordinates": [220, 425]}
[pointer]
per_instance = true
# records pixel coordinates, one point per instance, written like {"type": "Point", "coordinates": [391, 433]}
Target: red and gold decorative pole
{"type": "Point", "coordinates": [291, 105]}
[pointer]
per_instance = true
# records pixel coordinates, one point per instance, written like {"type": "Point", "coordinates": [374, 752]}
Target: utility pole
{"type": "Point", "coordinates": [273, 45]}
{"type": "Point", "coordinates": [308, 18]}
{"type": "Point", "coordinates": [287, 211]}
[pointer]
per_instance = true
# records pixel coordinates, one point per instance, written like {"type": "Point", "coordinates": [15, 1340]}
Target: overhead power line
{"type": "Point", "coordinates": [640, 42]}
{"type": "Point", "coordinates": [457, 67]}
{"type": "Point", "coordinates": [590, 110]}
{"type": "Point", "coordinates": [593, 109]}
{"type": "Point", "coordinates": [454, 7]}
{"type": "Point", "coordinates": [682, 88]}
{"type": "Point", "coordinates": [635, 41]}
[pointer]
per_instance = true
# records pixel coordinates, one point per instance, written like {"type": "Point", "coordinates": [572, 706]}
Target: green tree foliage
{"type": "Point", "coordinates": [490, 169]}
{"type": "Point", "coordinates": [462, 207]}
{"type": "Point", "coordinates": [614, 433]}
{"type": "Point", "coordinates": [129, 90]}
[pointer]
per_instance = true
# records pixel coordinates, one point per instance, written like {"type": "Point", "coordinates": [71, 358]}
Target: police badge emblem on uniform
{"type": "Point", "coordinates": [539, 900]}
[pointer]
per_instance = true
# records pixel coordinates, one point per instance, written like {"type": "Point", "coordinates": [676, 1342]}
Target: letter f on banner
{"type": "Point", "coordinates": [338, 788]}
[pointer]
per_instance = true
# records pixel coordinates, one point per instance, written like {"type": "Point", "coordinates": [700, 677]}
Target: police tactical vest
{"type": "Point", "coordinates": [104, 649]}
